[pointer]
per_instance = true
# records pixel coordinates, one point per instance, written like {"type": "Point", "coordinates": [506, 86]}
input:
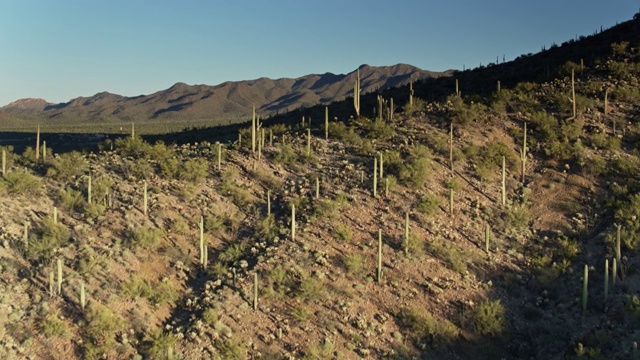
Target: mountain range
{"type": "Point", "coordinates": [227, 101]}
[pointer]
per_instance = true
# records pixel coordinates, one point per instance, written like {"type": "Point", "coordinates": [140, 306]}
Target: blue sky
{"type": "Point", "coordinates": [62, 49]}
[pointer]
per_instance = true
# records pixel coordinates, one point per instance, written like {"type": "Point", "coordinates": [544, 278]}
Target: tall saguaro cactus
{"type": "Point", "coordinates": [523, 152]}
{"type": "Point", "coordinates": [375, 176]}
{"type": "Point", "coordinates": [59, 282]}
{"type": "Point", "coordinates": [38, 143]}
{"type": "Point", "coordinates": [411, 93]}
{"type": "Point", "coordinates": [379, 271]}
{"type": "Point", "coordinates": [4, 163]}
{"type": "Point", "coordinates": [573, 94]}
{"type": "Point", "coordinates": [503, 185]}
{"type": "Point", "coordinates": [585, 288]}
{"type": "Point", "coordinates": [326, 123]}
{"type": "Point", "coordinates": [202, 247]}
{"type": "Point", "coordinates": [293, 222]}
{"type": "Point", "coordinates": [356, 94]}
{"type": "Point", "coordinates": [253, 129]}
{"type": "Point", "coordinates": [255, 291]}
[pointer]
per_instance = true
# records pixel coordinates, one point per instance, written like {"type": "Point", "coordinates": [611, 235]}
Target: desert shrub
{"type": "Point", "coordinates": [353, 263]}
{"type": "Point", "coordinates": [169, 168]}
{"type": "Point", "coordinates": [322, 351]}
{"type": "Point", "coordinates": [52, 326]}
{"type": "Point", "coordinates": [463, 114]}
{"type": "Point", "coordinates": [413, 246]}
{"type": "Point", "coordinates": [140, 168]}
{"type": "Point", "coordinates": [194, 170]}
{"type": "Point", "coordinates": [134, 147]}
{"type": "Point", "coordinates": [301, 313]}
{"type": "Point", "coordinates": [143, 237]}
{"type": "Point", "coordinates": [287, 155]}
{"type": "Point", "coordinates": [415, 171]}
{"type": "Point", "coordinates": [21, 182]}
{"type": "Point", "coordinates": [48, 237]}
{"type": "Point", "coordinates": [517, 217]}
{"type": "Point", "coordinates": [279, 283]}
{"type": "Point", "coordinates": [240, 196]}
{"type": "Point", "coordinates": [10, 156]}
{"type": "Point", "coordinates": [427, 205]}
{"type": "Point", "coordinates": [94, 210]}
{"type": "Point", "coordinates": [180, 225]}
{"type": "Point", "coordinates": [343, 231]}
{"type": "Point", "coordinates": [604, 141]}
{"type": "Point", "coordinates": [210, 316]}
{"type": "Point", "coordinates": [410, 109]}
{"type": "Point", "coordinates": [427, 330]}
{"type": "Point", "coordinates": [379, 130]}
{"type": "Point", "coordinates": [628, 215]}
{"type": "Point", "coordinates": [138, 287]}
{"type": "Point", "coordinates": [101, 327]}
{"type": "Point", "coordinates": [452, 184]}
{"type": "Point", "coordinates": [28, 156]}
{"type": "Point", "coordinates": [233, 349]}
{"type": "Point", "coordinates": [68, 166]}
{"type": "Point", "coordinates": [488, 318]}
{"type": "Point", "coordinates": [234, 252]}
{"type": "Point", "coordinates": [214, 223]}
{"type": "Point", "coordinates": [72, 200]}
{"type": "Point", "coordinates": [266, 227]}
{"type": "Point", "coordinates": [156, 345]}
{"type": "Point", "coordinates": [278, 129]}
{"type": "Point", "coordinates": [448, 253]}
{"type": "Point", "coordinates": [310, 288]}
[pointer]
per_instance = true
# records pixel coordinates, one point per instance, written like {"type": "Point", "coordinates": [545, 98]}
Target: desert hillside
{"type": "Point", "coordinates": [502, 226]}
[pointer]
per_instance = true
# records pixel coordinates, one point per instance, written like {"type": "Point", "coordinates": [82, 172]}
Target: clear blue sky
{"type": "Point", "coordinates": [62, 49]}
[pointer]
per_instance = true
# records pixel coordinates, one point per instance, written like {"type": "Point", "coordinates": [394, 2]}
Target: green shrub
{"type": "Point", "coordinates": [72, 200]}
{"type": "Point", "coordinates": [138, 287]}
{"type": "Point", "coordinates": [46, 239]}
{"type": "Point", "coordinates": [380, 130]}
{"type": "Point", "coordinates": [488, 318]}
{"type": "Point", "coordinates": [427, 330]}
{"type": "Point", "coordinates": [233, 349]}
{"type": "Point", "coordinates": [52, 326]}
{"type": "Point", "coordinates": [413, 246]}
{"type": "Point", "coordinates": [279, 283]}
{"type": "Point", "coordinates": [234, 252]}
{"type": "Point", "coordinates": [415, 171]}
{"type": "Point", "coordinates": [210, 316]}
{"type": "Point", "coordinates": [310, 288]}
{"type": "Point", "coordinates": [322, 351]}
{"type": "Point", "coordinates": [343, 231]}
{"type": "Point", "coordinates": [427, 205]}
{"type": "Point", "coordinates": [102, 325]}
{"type": "Point", "coordinates": [287, 155]}
{"type": "Point", "coordinates": [353, 263]}
{"type": "Point", "coordinates": [156, 345]}
{"type": "Point", "coordinates": [301, 314]}
{"type": "Point", "coordinates": [194, 170]}
{"type": "Point", "coordinates": [448, 253]}
{"type": "Point", "coordinates": [68, 166]}
{"type": "Point", "coordinates": [21, 182]}
{"type": "Point", "coordinates": [143, 238]}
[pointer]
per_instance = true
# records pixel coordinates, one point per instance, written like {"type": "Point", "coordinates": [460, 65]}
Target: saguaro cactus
{"type": "Point", "coordinates": [59, 283]}
{"type": "Point", "coordinates": [523, 152]}
{"type": "Point", "coordinates": [573, 95]}
{"type": "Point", "coordinates": [89, 190]}
{"type": "Point", "coordinates": [293, 222]}
{"type": "Point", "coordinates": [133, 130]}
{"type": "Point", "coordinates": [487, 234]}
{"type": "Point", "coordinates": [55, 215]}
{"type": "Point", "coordinates": [44, 151]}
{"type": "Point", "coordinates": [201, 228]}
{"type": "Point", "coordinates": [585, 289]}
{"type": "Point", "coordinates": [145, 201]}
{"type": "Point", "coordinates": [498, 87]}
{"type": "Point", "coordinates": [381, 166]}
{"type": "Point", "coordinates": [614, 272]}
{"type": "Point", "coordinates": [268, 202]}
{"type": "Point", "coordinates": [308, 142]}
{"type": "Point", "coordinates": [379, 272]}
{"type": "Point", "coordinates": [4, 163]}
{"type": "Point", "coordinates": [253, 129]}
{"type": "Point", "coordinates": [606, 104]}
{"type": "Point", "coordinates": [356, 94]}
{"type": "Point", "coordinates": [219, 156]}
{"type": "Point", "coordinates": [83, 296]}
{"type": "Point", "coordinates": [457, 91]}
{"type": "Point", "coordinates": [375, 176]}
{"type": "Point", "coordinates": [326, 123]}
{"type": "Point", "coordinates": [503, 184]}
{"type": "Point", "coordinates": [410, 93]}
{"type": "Point", "coordinates": [451, 147]}
{"type": "Point", "coordinates": [317, 187]}
{"type": "Point", "coordinates": [606, 279]}
{"type": "Point", "coordinates": [255, 291]}
{"type": "Point", "coordinates": [38, 143]}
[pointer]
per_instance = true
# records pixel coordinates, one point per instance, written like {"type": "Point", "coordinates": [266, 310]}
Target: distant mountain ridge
{"type": "Point", "coordinates": [227, 101]}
